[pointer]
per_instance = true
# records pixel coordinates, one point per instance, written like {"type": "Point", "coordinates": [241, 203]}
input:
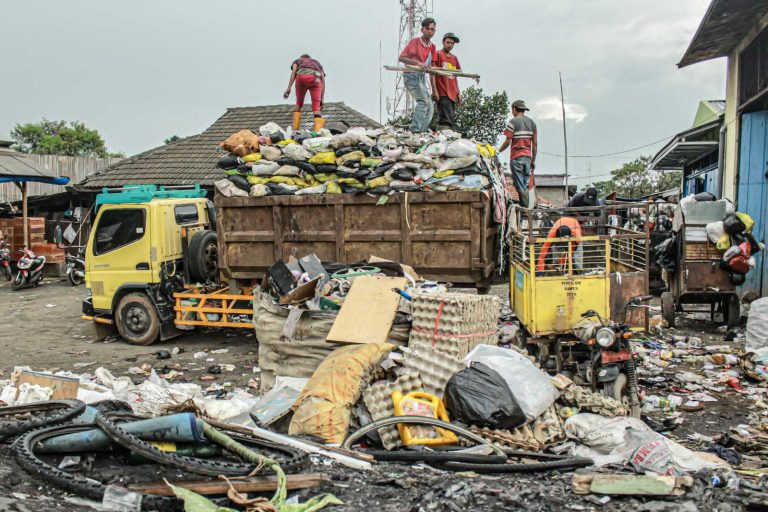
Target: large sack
{"type": "Point", "coordinates": [241, 143]}
{"type": "Point", "coordinates": [757, 326]}
{"type": "Point", "coordinates": [715, 230]}
{"type": "Point", "coordinates": [462, 147]}
{"type": "Point", "coordinates": [324, 406]}
{"type": "Point", "coordinates": [479, 396]}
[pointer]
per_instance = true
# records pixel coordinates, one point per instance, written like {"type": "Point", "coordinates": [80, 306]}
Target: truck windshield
{"type": "Point", "coordinates": [118, 228]}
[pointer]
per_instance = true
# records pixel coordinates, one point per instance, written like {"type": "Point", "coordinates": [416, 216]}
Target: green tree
{"type": "Point", "coordinates": [172, 138]}
{"type": "Point", "coordinates": [60, 138]}
{"type": "Point", "coordinates": [480, 116]}
{"type": "Point", "coordinates": [634, 179]}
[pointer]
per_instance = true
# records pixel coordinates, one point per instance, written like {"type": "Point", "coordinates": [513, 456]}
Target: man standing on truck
{"type": "Point", "coordinates": [445, 89]}
{"type": "Point", "coordinates": [521, 134]}
{"type": "Point", "coordinates": [422, 53]}
{"type": "Point", "coordinates": [308, 74]}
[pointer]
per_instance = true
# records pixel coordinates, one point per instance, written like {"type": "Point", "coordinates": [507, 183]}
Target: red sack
{"type": "Point", "coordinates": [739, 264]}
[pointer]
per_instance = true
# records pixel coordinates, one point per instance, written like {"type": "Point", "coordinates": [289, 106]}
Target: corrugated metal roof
{"type": "Point", "coordinates": [725, 24]}
{"type": "Point", "coordinates": [192, 160]}
{"type": "Point", "coordinates": [15, 165]}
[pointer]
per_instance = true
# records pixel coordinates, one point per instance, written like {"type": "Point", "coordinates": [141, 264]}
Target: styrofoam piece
{"type": "Point", "coordinates": [454, 319]}
{"type": "Point", "coordinates": [435, 365]}
{"type": "Point", "coordinates": [378, 399]}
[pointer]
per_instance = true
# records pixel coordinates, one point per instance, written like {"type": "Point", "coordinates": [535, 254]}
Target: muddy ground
{"type": "Point", "coordinates": [41, 328]}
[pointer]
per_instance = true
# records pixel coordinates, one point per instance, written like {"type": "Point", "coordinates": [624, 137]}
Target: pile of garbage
{"type": "Point", "coordinates": [354, 161]}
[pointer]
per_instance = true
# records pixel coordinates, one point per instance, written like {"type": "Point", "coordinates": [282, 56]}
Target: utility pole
{"type": "Point", "coordinates": [565, 132]}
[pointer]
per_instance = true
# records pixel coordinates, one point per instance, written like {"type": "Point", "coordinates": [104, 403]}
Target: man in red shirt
{"type": "Point", "coordinates": [445, 89]}
{"type": "Point", "coordinates": [420, 52]}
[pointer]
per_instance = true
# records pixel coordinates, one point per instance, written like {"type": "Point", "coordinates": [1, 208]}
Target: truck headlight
{"type": "Point", "coordinates": [605, 337]}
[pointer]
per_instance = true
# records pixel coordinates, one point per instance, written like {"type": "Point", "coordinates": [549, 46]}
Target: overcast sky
{"type": "Point", "coordinates": [140, 71]}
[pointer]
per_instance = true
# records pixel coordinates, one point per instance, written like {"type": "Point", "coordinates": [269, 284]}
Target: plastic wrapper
{"type": "Point", "coordinates": [715, 230]}
{"type": "Point", "coordinates": [479, 396]}
{"type": "Point", "coordinates": [531, 387]}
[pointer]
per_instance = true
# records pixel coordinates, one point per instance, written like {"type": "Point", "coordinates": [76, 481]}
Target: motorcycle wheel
{"type": "Point", "coordinates": [75, 279]}
{"type": "Point", "coordinates": [17, 283]}
{"type": "Point", "coordinates": [618, 390]}
{"type": "Point", "coordinates": [7, 273]}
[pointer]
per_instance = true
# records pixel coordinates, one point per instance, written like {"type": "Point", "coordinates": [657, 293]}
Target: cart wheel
{"type": "Point", "coordinates": [668, 308]}
{"type": "Point", "coordinates": [732, 311]}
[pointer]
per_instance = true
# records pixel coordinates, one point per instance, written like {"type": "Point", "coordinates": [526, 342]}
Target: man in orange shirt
{"type": "Point", "coordinates": [445, 89]}
{"type": "Point", "coordinates": [566, 227]}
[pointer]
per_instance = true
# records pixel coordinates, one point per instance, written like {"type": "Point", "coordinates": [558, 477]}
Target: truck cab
{"type": "Point", "coordinates": [146, 244]}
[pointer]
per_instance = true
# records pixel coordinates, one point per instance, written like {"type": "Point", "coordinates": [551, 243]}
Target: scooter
{"type": "Point", "coordinates": [76, 268]}
{"type": "Point", "coordinates": [30, 270]}
{"type": "Point", "coordinates": [5, 260]}
{"type": "Point", "coordinates": [610, 366]}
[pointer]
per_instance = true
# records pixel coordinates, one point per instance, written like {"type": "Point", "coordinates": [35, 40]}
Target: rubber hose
{"type": "Point", "coordinates": [417, 420]}
{"type": "Point", "coordinates": [439, 456]}
{"type": "Point", "coordinates": [69, 410]}
{"type": "Point", "coordinates": [563, 464]}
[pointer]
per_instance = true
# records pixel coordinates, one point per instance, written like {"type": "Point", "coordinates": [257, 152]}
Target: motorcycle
{"type": "Point", "coordinates": [76, 268]}
{"type": "Point", "coordinates": [29, 270]}
{"type": "Point", "coordinates": [608, 363]}
{"type": "Point", "coordinates": [5, 260]}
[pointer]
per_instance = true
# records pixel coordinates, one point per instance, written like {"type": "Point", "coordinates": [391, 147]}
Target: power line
{"type": "Point", "coordinates": [614, 153]}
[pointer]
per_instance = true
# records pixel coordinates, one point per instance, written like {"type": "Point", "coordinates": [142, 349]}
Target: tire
{"type": "Point", "coordinates": [668, 308]}
{"type": "Point", "coordinates": [202, 256]}
{"type": "Point", "coordinates": [617, 389]}
{"type": "Point", "coordinates": [43, 414]}
{"type": "Point", "coordinates": [75, 280]}
{"type": "Point", "coordinates": [137, 319]}
{"type": "Point", "coordinates": [16, 284]}
{"type": "Point", "coordinates": [732, 311]}
{"type": "Point", "coordinates": [191, 464]}
{"type": "Point", "coordinates": [23, 450]}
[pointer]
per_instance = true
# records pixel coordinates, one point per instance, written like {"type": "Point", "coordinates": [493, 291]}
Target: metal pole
{"type": "Point", "coordinates": [565, 134]}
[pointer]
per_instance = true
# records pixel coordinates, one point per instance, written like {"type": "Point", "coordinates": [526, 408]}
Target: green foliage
{"type": "Point", "coordinates": [633, 180]}
{"type": "Point", "coordinates": [60, 138]}
{"type": "Point", "coordinates": [172, 138]}
{"type": "Point", "coordinates": [480, 116]}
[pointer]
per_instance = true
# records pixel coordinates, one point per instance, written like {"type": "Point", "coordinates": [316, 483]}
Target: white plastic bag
{"type": "Point", "coordinates": [264, 168]}
{"type": "Point", "coordinates": [270, 128]}
{"type": "Point", "coordinates": [757, 327]}
{"type": "Point", "coordinates": [715, 230]}
{"type": "Point", "coordinates": [229, 189]}
{"type": "Point", "coordinates": [435, 149]}
{"type": "Point", "coordinates": [461, 147]}
{"type": "Point", "coordinates": [317, 144]}
{"type": "Point", "coordinates": [531, 387]}
{"type": "Point", "coordinates": [297, 152]}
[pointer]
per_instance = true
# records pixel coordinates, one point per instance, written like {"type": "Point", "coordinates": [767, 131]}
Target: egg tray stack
{"type": "Point", "coordinates": [454, 321]}
{"type": "Point", "coordinates": [374, 161]}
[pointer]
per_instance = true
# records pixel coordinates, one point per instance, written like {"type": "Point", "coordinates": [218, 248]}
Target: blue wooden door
{"type": "Point", "coordinates": [753, 189]}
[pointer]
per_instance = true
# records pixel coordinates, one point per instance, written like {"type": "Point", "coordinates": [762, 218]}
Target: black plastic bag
{"type": "Point", "coordinates": [665, 254]}
{"type": "Point", "coordinates": [480, 396]}
{"type": "Point", "coordinates": [240, 182]}
{"type": "Point", "coordinates": [228, 161]}
{"type": "Point", "coordinates": [733, 224]}
{"type": "Point", "coordinates": [703, 197]}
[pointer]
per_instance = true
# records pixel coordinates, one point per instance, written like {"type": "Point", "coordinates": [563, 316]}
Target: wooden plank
{"type": "Point", "coordinates": [341, 251]}
{"type": "Point", "coordinates": [215, 487]}
{"type": "Point", "coordinates": [64, 388]}
{"type": "Point", "coordinates": [368, 311]}
{"type": "Point", "coordinates": [630, 485]}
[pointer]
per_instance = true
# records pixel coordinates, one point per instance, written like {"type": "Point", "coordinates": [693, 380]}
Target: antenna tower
{"type": "Point", "coordinates": [411, 14]}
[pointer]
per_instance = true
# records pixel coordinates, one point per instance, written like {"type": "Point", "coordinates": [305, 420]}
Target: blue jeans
{"type": "Point", "coordinates": [521, 175]}
{"type": "Point", "coordinates": [416, 84]}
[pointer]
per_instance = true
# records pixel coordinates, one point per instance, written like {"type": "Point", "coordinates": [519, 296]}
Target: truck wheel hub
{"type": "Point", "coordinates": [137, 319]}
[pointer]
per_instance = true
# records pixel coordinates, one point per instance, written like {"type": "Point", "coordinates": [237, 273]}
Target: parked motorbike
{"type": "Point", "coordinates": [5, 260]}
{"type": "Point", "coordinates": [608, 364]}
{"type": "Point", "coordinates": [76, 268]}
{"type": "Point", "coordinates": [29, 270]}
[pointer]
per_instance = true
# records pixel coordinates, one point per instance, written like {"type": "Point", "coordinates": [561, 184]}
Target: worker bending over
{"type": "Point", "coordinates": [308, 74]}
{"type": "Point", "coordinates": [565, 227]}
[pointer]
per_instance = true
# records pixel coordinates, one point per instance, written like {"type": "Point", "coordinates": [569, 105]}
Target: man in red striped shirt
{"type": "Point", "coordinates": [521, 135]}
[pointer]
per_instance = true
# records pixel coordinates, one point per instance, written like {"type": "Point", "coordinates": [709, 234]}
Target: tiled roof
{"type": "Point", "coordinates": [192, 160]}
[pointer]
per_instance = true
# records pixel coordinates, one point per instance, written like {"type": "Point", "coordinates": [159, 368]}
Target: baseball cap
{"type": "Point", "coordinates": [590, 195]}
{"type": "Point", "coordinates": [520, 105]}
{"type": "Point", "coordinates": [451, 35]}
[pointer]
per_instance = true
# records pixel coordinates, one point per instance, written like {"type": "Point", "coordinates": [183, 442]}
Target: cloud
{"type": "Point", "coordinates": [551, 108]}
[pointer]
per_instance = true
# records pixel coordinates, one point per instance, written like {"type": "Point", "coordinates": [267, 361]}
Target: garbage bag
{"type": "Point", "coordinates": [253, 157]}
{"type": "Point", "coordinates": [270, 128]}
{"type": "Point", "coordinates": [241, 143]}
{"type": "Point", "coordinates": [326, 157]}
{"type": "Point", "coordinates": [715, 230]}
{"type": "Point", "coordinates": [306, 167]}
{"type": "Point", "coordinates": [260, 190]}
{"type": "Point", "coordinates": [461, 147]}
{"type": "Point", "coordinates": [350, 157]}
{"type": "Point", "coordinates": [479, 396]}
{"type": "Point", "coordinates": [229, 189]}
{"type": "Point", "coordinates": [240, 182]}
{"type": "Point", "coordinates": [532, 388]}
{"type": "Point", "coordinates": [324, 407]}
{"type": "Point", "coordinates": [665, 254]}
{"type": "Point", "coordinates": [458, 163]}
{"type": "Point", "coordinates": [297, 152]}
{"type": "Point", "coordinates": [704, 196]}
{"type": "Point", "coordinates": [757, 326]}
{"type": "Point", "coordinates": [228, 161]}
{"type": "Point", "coordinates": [435, 149]}
{"type": "Point", "coordinates": [747, 220]}
{"type": "Point", "coordinates": [333, 188]}
{"type": "Point", "coordinates": [724, 242]}
{"type": "Point", "coordinates": [271, 153]}
{"type": "Point", "coordinates": [318, 189]}
{"type": "Point", "coordinates": [421, 159]}
{"type": "Point", "coordinates": [733, 224]}
{"type": "Point", "coordinates": [289, 170]}
{"type": "Point", "coordinates": [317, 144]}
{"type": "Point", "coordinates": [345, 140]}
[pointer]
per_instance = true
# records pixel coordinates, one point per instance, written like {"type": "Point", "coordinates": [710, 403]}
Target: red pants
{"type": "Point", "coordinates": [312, 84]}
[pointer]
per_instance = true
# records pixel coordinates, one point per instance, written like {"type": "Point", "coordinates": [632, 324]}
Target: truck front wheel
{"type": "Point", "coordinates": [137, 320]}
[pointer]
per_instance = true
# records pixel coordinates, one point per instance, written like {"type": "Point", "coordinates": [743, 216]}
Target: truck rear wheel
{"type": "Point", "coordinates": [203, 256]}
{"type": "Point", "coordinates": [137, 320]}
